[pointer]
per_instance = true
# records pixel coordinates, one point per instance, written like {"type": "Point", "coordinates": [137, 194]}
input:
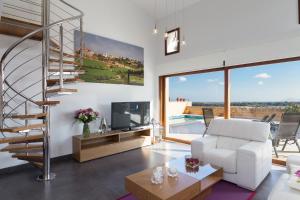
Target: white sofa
{"type": "Point", "coordinates": [240, 147]}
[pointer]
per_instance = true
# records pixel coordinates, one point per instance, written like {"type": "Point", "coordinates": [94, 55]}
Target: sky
{"type": "Point", "coordinates": [104, 45]}
{"type": "Point", "coordinates": [268, 83]}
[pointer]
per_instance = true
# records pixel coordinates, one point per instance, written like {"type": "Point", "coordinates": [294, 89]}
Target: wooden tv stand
{"type": "Point", "coordinates": [112, 142]}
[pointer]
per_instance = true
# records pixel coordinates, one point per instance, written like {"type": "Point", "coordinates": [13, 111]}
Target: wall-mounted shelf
{"type": "Point", "coordinates": [112, 142]}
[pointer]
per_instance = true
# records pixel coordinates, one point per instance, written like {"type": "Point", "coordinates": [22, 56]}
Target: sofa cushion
{"type": "Point", "coordinates": [223, 158]}
{"type": "Point", "coordinates": [243, 129]}
{"type": "Point", "coordinates": [230, 143]}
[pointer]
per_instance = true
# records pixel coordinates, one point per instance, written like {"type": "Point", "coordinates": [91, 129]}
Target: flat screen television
{"type": "Point", "coordinates": [129, 115]}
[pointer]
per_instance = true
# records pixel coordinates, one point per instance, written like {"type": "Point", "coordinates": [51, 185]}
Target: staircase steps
{"type": "Point", "coordinates": [34, 157]}
{"type": "Point", "coordinates": [22, 139]}
{"type": "Point", "coordinates": [71, 71]}
{"type": "Point", "coordinates": [22, 128]}
{"type": "Point", "coordinates": [57, 51]}
{"type": "Point", "coordinates": [17, 28]}
{"type": "Point", "coordinates": [60, 91]}
{"type": "Point", "coordinates": [30, 116]}
{"type": "Point", "coordinates": [53, 60]}
{"type": "Point", "coordinates": [47, 103]}
{"type": "Point", "coordinates": [39, 165]}
{"type": "Point", "coordinates": [15, 148]}
{"type": "Point", "coordinates": [54, 44]}
{"type": "Point", "coordinates": [52, 82]}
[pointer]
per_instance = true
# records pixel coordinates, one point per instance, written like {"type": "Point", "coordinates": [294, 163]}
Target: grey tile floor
{"type": "Point", "coordinates": [101, 179]}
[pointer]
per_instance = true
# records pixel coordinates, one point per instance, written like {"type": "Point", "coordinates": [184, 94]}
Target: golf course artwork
{"type": "Point", "coordinates": [110, 61]}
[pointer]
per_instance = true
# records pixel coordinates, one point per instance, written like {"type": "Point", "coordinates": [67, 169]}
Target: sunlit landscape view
{"type": "Point", "coordinates": [256, 93]}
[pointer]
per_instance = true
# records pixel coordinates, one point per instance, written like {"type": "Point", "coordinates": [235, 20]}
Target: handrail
{"type": "Point", "coordinates": [71, 6]}
{"type": "Point", "coordinates": [17, 43]}
{"type": "Point", "coordinates": [16, 97]}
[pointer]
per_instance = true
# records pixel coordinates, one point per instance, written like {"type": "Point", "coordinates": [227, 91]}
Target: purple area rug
{"type": "Point", "coordinates": [221, 191]}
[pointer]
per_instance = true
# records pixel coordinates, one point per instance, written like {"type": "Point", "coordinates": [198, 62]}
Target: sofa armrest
{"type": "Point", "coordinates": [254, 162]}
{"type": "Point", "coordinates": [200, 145]}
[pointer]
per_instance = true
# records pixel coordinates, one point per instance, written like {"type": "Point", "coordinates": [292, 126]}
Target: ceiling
{"type": "Point", "coordinates": [149, 6]}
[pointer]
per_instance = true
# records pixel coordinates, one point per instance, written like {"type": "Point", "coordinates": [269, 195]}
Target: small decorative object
{"type": "Point", "coordinates": [294, 181]}
{"type": "Point", "coordinates": [157, 137]}
{"type": "Point", "coordinates": [192, 162]}
{"type": "Point", "coordinates": [172, 42]}
{"type": "Point", "coordinates": [157, 176]}
{"type": "Point", "coordinates": [297, 174]}
{"type": "Point", "coordinates": [103, 125]}
{"type": "Point", "coordinates": [172, 172]}
{"type": "Point", "coordinates": [86, 116]}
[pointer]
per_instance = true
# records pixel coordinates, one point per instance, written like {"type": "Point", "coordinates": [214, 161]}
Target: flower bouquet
{"type": "Point", "coordinates": [297, 174]}
{"type": "Point", "coordinates": [86, 116]}
{"type": "Point", "coordinates": [192, 163]}
{"type": "Point", "coordinates": [294, 181]}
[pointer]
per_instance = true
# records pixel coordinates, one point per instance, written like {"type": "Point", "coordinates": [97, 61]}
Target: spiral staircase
{"type": "Point", "coordinates": [35, 70]}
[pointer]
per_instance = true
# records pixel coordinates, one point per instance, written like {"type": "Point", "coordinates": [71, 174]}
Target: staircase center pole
{"type": "Point", "coordinates": [47, 175]}
{"type": "Point", "coordinates": [2, 97]}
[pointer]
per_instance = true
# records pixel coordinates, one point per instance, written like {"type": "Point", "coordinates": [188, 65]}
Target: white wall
{"type": "Point", "coordinates": [116, 19]}
{"type": "Point", "coordinates": [177, 107]}
{"type": "Point", "coordinates": [237, 31]}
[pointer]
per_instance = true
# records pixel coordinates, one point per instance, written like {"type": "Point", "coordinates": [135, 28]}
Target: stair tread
{"type": "Point", "coordinates": [38, 164]}
{"type": "Point", "coordinates": [54, 43]}
{"type": "Point", "coordinates": [22, 128]}
{"type": "Point", "coordinates": [39, 155]}
{"type": "Point", "coordinates": [57, 50]}
{"type": "Point", "coordinates": [22, 139]}
{"type": "Point", "coordinates": [51, 82]}
{"type": "Point", "coordinates": [64, 61]}
{"type": "Point", "coordinates": [66, 70]}
{"type": "Point", "coordinates": [30, 116]}
{"type": "Point", "coordinates": [49, 103]}
{"type": "Point", "coordinates": [61, 90]}
{"type": "Point", "coordinates": [19, 147]}
{"type": "Point", "coordinates": [29, 157]}
{"type": "Point", "coordinates": [18, 28]}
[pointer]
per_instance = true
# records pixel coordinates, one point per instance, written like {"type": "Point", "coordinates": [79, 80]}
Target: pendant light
{"type": "Point", "coordinates": [183, 42]}
{"type": "Point", "coordinates": [166, 27]}
{"type": "Point", "coordinates": [155, 30]}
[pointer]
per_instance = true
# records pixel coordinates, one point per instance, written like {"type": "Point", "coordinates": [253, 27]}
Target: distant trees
{"type": "Point", "coordinates": [292, 108]}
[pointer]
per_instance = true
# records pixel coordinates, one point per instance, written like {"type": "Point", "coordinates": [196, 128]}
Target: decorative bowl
{"type": "Point", "coordinates": [192, 162]}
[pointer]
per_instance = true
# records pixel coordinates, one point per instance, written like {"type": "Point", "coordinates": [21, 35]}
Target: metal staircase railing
{"type": "Point", "coordinates": [27, 67]}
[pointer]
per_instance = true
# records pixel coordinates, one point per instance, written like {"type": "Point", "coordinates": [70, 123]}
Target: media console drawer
{"type": "Point", "coordinates": [97, 145]}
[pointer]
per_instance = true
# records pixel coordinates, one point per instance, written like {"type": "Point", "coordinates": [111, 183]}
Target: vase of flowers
{"type": "Point", "coordinates": [86, 116]}
{"type": "Point", "coordinates": [297, 174]}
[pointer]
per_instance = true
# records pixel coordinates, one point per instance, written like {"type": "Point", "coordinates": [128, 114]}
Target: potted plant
{"type": "Point", "coordinates": [86, 116]}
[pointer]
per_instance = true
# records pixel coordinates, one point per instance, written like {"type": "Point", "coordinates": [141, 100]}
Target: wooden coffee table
{"type": "Point", "coordinates": [190, 184]}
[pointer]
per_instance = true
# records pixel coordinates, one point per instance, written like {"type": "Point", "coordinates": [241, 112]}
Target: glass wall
{"type": "Point", "coordinates": [264, 93]}
{"type": "Point", "coordinates": [187, 96]}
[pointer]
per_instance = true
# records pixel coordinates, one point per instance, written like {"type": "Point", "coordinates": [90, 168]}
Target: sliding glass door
{"type": "Point", "coordinates": [187, 96]}
{"type": "Point", "coordinates": [260, 93]}
{"type": "Point", "coordinates": [264, 93]}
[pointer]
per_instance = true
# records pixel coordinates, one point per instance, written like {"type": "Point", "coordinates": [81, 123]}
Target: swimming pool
{"type": "Point", "coordinates": [179, 119]}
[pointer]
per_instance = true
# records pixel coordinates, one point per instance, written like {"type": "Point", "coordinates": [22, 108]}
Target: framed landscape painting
{"type": "Point", "coordinates": [110, 61]}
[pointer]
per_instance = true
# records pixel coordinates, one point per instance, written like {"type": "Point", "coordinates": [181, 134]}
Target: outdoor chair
{"type": "Point", "coordinates": [264, 118]}
{"type": "Point", "coordinates": [273, 125]}
{"type": "Point", "coordinates": [270, 119]}
{"type": "Point", "coordinates": [208, 116]}
{"type": "Point", "coordinates": [287, 131]}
